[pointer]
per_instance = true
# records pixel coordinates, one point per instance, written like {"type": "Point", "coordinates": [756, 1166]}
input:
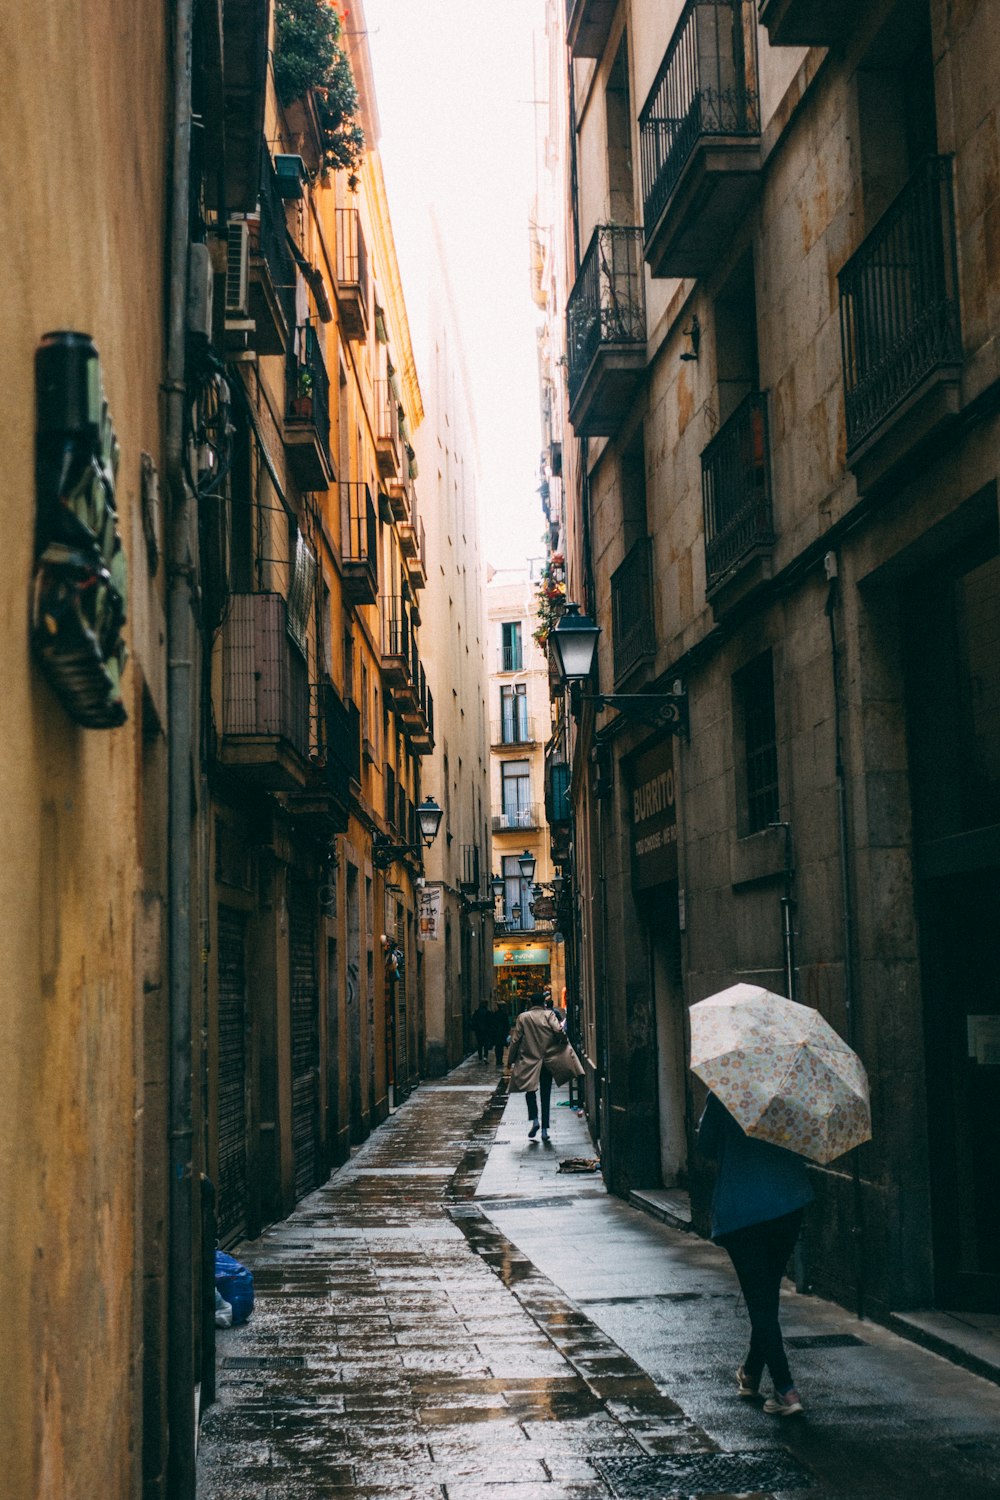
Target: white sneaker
{"type": "Point", "coordinates": [533, 1130]}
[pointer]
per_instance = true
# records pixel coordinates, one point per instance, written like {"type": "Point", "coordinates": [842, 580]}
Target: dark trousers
{"type": "Point", "coordinates": [498, 1051]}
{"type": "Point", "coordinates": [545, 1089]}
{"type": "Point", "coordinates": [759, 1254]}
{"type": "Point", "coordinates": [482, 1045]}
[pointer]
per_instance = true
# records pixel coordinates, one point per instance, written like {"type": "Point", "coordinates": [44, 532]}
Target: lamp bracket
{"type": "Point", "coordinates": [664, 710]}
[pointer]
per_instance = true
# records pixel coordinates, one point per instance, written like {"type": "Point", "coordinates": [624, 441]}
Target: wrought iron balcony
{"type": "Point", "coordinates": [264, 727]}
{"type": "Point", "coordinates": [588, 26]}
{"type": "Point", "coordinates": [307, 416]}
{"type": "Point", "coordinates": [606, 331]}
{"type": "Point", "coordinates": [359, 558]}
{"type": "Point", "coordinates": [808, 23]}
{"type": "Point", "coordinates": [699, 137]}
{"type": "Point", "coordinates": [333, 759]}
{"type": "Point", "coordinates": [352, 274]}
{"type": "Point", "coordinates": [900, 326]}
{"type": "Point", "coordinates": [633, 628]}
{"type": "Point", "coordinates": [736, 492]}
{"type": "Point", "coordinates": [387, 448]}
{"type": "Point", "coordinates": [272, 269]}
{"type": "Point", "coordinates": [510, 817]}
{"type": "Point", "coordinates": [511, 658]}
{"type": "Point", "coordinates": [397, 641]}
{"type": "Point", "coordinates": [514, 728]}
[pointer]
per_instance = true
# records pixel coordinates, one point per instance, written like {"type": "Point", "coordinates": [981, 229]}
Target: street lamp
{"type": "Point", "coordinates": [574, 641]}
{"type": "Point", "coordinates": [515, 912]}
{"type": "Point", "coordinates": [385, 852]}
{"type": "Point", "coordinates": [497, 885]}
{"type": "Point", "coordinates": [526, 864]}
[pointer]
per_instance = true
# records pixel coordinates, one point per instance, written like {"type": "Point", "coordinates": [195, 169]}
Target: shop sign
{"type": "Point", "coordinates": [429, 917]}
{"type": "Point", "coordinates": [653, 816]}
{"type": "Point", "coordinates": [536, 953]}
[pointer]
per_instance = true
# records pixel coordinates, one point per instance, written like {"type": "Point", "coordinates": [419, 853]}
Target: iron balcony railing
{"type": "Point", "coordinates": [607, 304]}
{"type": "Point", "coordinates": [706, 86]}
{"type": "Point", "coordinates": [386, 414]}
{"type": "Point", "coordinates": [397, 631]}
{"type": "Point", "coordinates": [352, 256]}
{"type": "Point", "coordinates": [510, 816]}
{"type": "Point", "coordinates": [273, 242]}
{"type": "Point", "coordinates": [362, 525]}
{"type": "Point", "coordinates": [736, 488]}
{"type": "Point", "coordinates": [510, 658]}
{"type": "Point", "coordinates": [265, 680]}
{"type": "Point", "coordinates": [334, 744]}
{"type": "Point", "coordinates": [515, 726]}
{"type": "Point", "coordinates": [632, 628]}
{"type": "Point", "coordinates": [899, 310]}
{"type": "Point", "coordinates": [309, 389]}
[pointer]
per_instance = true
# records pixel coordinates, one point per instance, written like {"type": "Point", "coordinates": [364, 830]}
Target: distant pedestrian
{"type": "Point", "coordinates": [539, 1052]}
{"type": "Point", "coordinates": [500, 1017]}
{"type": "Point", "coordinates": [760, 1194]}
{"type": "Point", "coordinates": [482, 1028]}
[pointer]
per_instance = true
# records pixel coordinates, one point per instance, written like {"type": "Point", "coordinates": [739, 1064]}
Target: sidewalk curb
{"type": "Point", "coordinates": [909, 1326]}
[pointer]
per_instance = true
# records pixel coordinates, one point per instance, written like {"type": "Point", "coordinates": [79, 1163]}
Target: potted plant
{"type": "Point", "coordinates": [302, 401]}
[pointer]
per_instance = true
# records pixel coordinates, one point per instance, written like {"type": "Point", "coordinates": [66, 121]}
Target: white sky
{"type": "Point", "coordinates": [454, 82]}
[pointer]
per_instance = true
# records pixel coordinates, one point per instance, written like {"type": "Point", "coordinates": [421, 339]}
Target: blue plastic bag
{"type": "Point", "coordinates": [235, 1283]}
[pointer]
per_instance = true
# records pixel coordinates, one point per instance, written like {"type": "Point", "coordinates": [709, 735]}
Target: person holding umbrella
{"type": "Point", "coordinates": [783, 1087]}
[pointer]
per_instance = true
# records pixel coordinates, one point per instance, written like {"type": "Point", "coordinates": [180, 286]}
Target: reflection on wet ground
{"type": "Point", "coordinates": [402, 1346]}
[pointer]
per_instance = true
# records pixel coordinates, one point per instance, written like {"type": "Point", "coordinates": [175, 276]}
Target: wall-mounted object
{"type": "Point", "coordinates": [291, 174]}
{"type": "Point", "coordinates": [81, 582]}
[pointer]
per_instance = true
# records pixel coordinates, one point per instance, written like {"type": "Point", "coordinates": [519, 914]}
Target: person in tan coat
{"type": "Point", "coordinates": [539, 1052]}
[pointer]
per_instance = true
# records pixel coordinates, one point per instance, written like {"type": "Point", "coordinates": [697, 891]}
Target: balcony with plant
{"type": "Point", "coordinates": [312, 69]}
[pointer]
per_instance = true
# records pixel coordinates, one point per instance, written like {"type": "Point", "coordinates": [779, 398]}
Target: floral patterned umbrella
{"type": "Point", "coordinates": [781, 1071]}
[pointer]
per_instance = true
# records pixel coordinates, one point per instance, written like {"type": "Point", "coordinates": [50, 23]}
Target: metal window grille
{"type": "Point", "coordinates": [265, 678]}
{"type": "Point", "coordinates": [352, 254]}
{"type": "Point", "coordinates": [632, 627]}
{"type": "Point", "coordinates": [736, 488]}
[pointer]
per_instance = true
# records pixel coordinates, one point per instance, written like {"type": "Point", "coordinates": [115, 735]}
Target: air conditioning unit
{"type": "Point", "coordinates": [238, 270]}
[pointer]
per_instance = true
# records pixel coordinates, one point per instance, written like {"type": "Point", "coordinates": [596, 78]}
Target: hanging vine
{"type": "Point", "coordinates": [309, 58]}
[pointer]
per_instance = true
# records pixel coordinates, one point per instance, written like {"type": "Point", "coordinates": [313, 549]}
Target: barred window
{"type": "Point", "coordinates": [754, 694]}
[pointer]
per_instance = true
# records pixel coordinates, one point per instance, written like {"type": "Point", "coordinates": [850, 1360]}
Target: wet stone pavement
{"type": "Point", "coordinates": [450, 1317]}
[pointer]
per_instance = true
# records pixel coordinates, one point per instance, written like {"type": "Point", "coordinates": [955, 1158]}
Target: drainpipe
{"type": "Point", "coordinates": [847, 904]}
{"type": "Point", "coordinates": [180, 686]}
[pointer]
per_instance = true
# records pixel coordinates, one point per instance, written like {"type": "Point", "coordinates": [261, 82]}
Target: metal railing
{"type": "Point", "coordinates": [736, 488]}
{"type": "Point", "coordinates": [516, 727]}
{"type": "Point", "coordinates": [309, 383]}
{"type": "Point", "coordinates": [899, 309]}
{"type": "Point", "coordinates": [469, 878]}
{"type": "Point", "coordinates": [632, 626]}
{"type": "Point", "coordinates": [352, 254]}
{"type": "Point", "coordinates": [386, 414]}
{"type": "Point", "coordinates": [362, 525]}
{"type": "Point", "coordinates": [707, 85]}
{"type": "Point", "coordinates": [397, 631]}
{"type": "Point", "coordinates": [608, 302]}
{"type": "Point", "coordinates": [510, 658]}
{"type": "Point", "coordinates": [265, 680]}
{"type": "Point", "coordinates": [512, 816]}
{"type": "Point", "coordinates": [272, 244]}
{"type": "Point", "coordinates": [558, 808]}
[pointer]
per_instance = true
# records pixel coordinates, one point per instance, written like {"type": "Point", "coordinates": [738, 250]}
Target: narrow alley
{"type": "Point", "coordinates": [452, 1316]}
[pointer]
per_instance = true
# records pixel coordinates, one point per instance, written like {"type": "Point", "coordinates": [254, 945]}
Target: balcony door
{"type": "Point", "coordinates": [515, 782]}
{"type": "Point", "coordinates": [516, 894]}
{"type": "Point", "coordinates": [514, 714]}
{"type": "Point", "coordinates": [511, 658]}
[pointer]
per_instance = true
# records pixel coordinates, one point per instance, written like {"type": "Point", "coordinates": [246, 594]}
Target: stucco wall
{"type": "Point", "coordinates": [81, 180]}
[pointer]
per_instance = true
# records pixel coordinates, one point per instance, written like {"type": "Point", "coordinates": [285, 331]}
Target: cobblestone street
{"type": "Point", "coordinates": [404, 1345]}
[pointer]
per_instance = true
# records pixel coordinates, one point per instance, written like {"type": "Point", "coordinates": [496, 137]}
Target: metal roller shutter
{"type": "Point", "coordinates": [305, 1035]}
{"type": "Point", "coordinates": [231, 1200]}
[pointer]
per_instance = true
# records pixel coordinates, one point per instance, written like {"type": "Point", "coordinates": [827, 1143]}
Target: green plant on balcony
{"type": "Point", "coordinates": [550, 601]}
{"type": "Point", "coordinates": [309, 58]}
{"type": "Point", "coordinates": [302, 401]}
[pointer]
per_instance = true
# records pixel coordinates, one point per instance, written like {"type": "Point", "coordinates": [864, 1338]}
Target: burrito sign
{"type": "Point", "coordinates": [653, 806]}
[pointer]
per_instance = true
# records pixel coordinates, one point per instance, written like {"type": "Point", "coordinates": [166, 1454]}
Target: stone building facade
{"type": "Point", "coordinates": [780, 335]}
